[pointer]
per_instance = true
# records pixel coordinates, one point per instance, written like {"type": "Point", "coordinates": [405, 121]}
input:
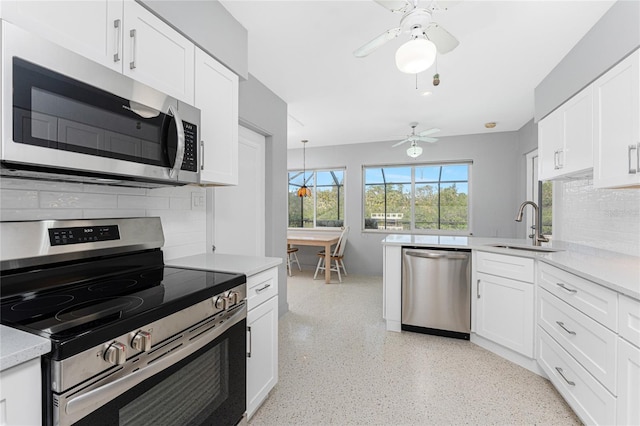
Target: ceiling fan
{"type": "Point", "coordinates": [418, 137]}
{"type": "Point", "coordinates": [418, 23]}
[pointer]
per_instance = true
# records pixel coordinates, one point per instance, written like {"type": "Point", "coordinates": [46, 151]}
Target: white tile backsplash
{"type": "Point", "coordinates": [605, 218]}
{"type": "Point", "coordinates": [184, 228]}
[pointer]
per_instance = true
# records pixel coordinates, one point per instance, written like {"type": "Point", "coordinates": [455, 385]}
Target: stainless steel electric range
{"type": "Point", "coordinates": [133, 342]}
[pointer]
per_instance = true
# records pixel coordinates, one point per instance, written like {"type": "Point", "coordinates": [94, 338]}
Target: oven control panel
{"type": "Point", "coordinates": [83, 234]}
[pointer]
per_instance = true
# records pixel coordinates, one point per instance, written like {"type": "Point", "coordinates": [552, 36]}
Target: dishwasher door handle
{"type": "Point", "coordinates": [437, 255]}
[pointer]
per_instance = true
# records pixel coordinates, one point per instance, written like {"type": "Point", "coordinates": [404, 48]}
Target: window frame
{"type": "Point", "coordinates": [314, 191]}
{"type": "Point", "coordinates": [413, 229]}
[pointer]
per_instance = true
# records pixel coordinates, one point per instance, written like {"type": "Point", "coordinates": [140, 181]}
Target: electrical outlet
{"type": "Point", "coordinates": [198, 201]}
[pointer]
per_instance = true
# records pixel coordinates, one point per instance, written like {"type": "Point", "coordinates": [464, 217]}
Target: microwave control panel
{"type": "Point", "coordinates": [190, 161]}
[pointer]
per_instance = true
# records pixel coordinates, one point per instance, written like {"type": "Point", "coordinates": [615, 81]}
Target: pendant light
{"type": "Point", "coordinates": [304, 191]}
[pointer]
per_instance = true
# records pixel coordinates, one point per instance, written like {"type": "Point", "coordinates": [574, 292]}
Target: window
{"type": "Point", "coordinates": [541, 193]}
{"type": "Point", "coordinates": [325, 207]}
{"type": "Point", "coordinates": [421, 197]}
{"type": "Point", "coordinates": [546, 207]}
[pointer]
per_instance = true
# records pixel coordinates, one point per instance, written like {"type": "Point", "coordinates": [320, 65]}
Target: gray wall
{"type": "Point", "coordinates": [497, 187]}
{"type": "Point", "coordinates": [209, 25]}
{"type": "Point", "coordinates": [612, 38]}
{"type": "Point", "coordinates": [264, 112]}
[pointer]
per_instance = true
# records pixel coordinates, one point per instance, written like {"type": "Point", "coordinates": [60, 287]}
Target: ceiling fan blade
{"type": "Point", "coordinates": [369, 47]}
{"type": "Point", "coordinates": [399, 6]}
{"type": "Point", "coordinates": [429, 131]}
{"type": "Point", "coordinates": [400, 143]}
{"type": "Point", "coordinates": [427, 139]}
{"type": "Point", "coordinates": [443, 40]}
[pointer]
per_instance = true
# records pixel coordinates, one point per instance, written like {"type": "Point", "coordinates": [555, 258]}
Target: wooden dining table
{"type": "Point", "coordinates": [319, 239]}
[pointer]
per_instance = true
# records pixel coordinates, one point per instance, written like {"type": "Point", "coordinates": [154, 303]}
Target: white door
{"type": "Point", "coordinates": [239, 210]}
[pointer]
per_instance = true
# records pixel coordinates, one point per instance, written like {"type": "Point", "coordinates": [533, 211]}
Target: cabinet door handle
{"type": "Point", "coordinates": [564, 287]}
{"type": "Point", "coordinates": [561, 324]}
{"type": "Point", "coordinates": [201, 155]}
{"type": "Point", "coordinates": [261, 289]}
{"type": "Point", "coordinates": [132, 34]}
{"type": "Point", "coordinates": [249, 336]}
{"type": "Point", "coordinates": [118, 30]}
{"type": "Point", "coordinates": [569, 382]}
{"type": "Point", "coordinates": [555, 160]}
{"type": "Point", "coordinates": [560, 158]}
{"type": "Point", "coordinates": [631, 148]}
{"type": "Point", "coordinates": [478, 289]}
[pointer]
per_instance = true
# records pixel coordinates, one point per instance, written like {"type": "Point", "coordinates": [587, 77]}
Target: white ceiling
{"type": "Point", "coordinates": [302, 51]}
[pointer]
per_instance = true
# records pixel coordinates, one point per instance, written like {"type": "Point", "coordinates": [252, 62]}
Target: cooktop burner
{"type": "Point", "coordinates": [36, 304]}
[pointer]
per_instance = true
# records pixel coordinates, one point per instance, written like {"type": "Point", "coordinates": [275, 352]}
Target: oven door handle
{"type": "Point", "coordinates": [84, 404]}
{"type": "Point", "coordinates": [173, 173]}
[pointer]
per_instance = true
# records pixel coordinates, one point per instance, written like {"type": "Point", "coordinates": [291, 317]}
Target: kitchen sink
{"type": "Point", "coordinates": [525, 248]}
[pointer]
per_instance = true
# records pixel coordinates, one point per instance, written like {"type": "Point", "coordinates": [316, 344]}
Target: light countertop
{"type": "Point", "coordinates": [248, 265]}
{"type": "Point", "coordinates": [18, 347]}
{"type": "Point", "coordinates": [616, 271]}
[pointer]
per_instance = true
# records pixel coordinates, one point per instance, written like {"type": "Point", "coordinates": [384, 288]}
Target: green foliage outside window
{"type": "Point", "coordinates": [437, 193]}
{"type": "Point", "coordinates": [546, 205]}
{"type": "Point", "coordinates": [325, 206]}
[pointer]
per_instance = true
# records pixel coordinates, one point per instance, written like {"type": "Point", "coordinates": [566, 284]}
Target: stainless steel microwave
{"type": "Point", "coordinates": [65, 117]}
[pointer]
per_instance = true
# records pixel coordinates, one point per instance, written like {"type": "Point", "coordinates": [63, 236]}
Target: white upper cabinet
{"type": "Point", "coordinates": [565, 138]}
{"type": "Point", "coordinates": [617, 125]}
{"type": "Point", "coordinates": [121, 35]}
{"type": "Point", "coordinates": [157, 55]}
{"type": "Point", "coordinates": [216, 95]}
{"type": "Point", "coordinates": [91, 28]}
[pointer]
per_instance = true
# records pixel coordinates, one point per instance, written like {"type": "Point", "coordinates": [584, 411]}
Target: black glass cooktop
{"type": "Point", "coordinates": [88, 305]}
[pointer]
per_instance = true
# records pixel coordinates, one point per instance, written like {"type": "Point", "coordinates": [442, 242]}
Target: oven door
{"type": "Point", "coordinates": [68, 114]}
{"type": "Point", "coordinates": [206, 387]}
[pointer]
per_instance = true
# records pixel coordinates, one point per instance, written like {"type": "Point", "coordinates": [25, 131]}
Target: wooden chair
{"type": "Point", "coordinates": [292, 257]}
{"type": "Point", "coordinates": [337, 256]}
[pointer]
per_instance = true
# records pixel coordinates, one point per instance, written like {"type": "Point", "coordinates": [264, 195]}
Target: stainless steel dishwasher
{"type": "Point", "coordinates": [436, 292]}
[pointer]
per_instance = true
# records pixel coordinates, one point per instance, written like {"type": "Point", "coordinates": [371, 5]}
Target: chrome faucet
{"type": "Point", "coordinates": [538, 237]}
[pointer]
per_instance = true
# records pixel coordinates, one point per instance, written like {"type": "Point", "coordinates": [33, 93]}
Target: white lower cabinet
{"type": "Point", "coordinates": [21, 394]}
{"type": "Point", "coordinates": [628, 383]}
{"type": "Point", "coordinates": [504, 312]}
{"type": "Point", "coordinates": [589, 342]}
{"type": "Point", "coordinates": [504, 304]}
{"type": "Point", "coordinates": [580, 350]}
{"type": "Point", "coordinates": [262, 337]}
{"type": "Point", "coordinates": [588, 398]}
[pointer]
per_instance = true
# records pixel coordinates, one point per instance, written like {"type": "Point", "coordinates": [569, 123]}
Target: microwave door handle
{"type": "Point", "coordinates": [173, 173]}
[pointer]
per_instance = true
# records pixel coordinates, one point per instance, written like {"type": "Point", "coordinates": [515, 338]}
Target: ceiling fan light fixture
{"type": "Point", "coordinates": [414, 151]}
{"type": "Point", "coordinates": [416, 55]}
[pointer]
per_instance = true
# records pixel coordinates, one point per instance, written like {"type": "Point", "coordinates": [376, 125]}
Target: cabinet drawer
{"type": "Point", "coordinates": [629, 319]}
{"type": "Point", "coordinates": [588, 398]}
{"type": "Point", "coordinates": [517, 268]}
{"type": "Point", "coordinates": [593, 345]}
{"type": "Point", "coordinates": [261, 287]}
{"type": "Point", "coordinates": [598, 302]}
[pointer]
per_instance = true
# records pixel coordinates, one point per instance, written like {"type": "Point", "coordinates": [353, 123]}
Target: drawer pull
{"type": "Point", "coordinates": [261, 289]}
{"type": "Point", "coordinates": [564, 287]}
{"type": "Point", "coordinates": [561, 324]}
{"type": "Point", "coordinates": [569, 382]}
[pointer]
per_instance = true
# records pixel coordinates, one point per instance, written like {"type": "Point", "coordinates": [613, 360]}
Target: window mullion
{"type": "Point", "coordinates": [412, 204]}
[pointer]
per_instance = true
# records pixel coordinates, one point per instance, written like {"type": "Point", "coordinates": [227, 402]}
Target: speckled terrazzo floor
{"type": "Point", "coordinates": [338, 365]}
